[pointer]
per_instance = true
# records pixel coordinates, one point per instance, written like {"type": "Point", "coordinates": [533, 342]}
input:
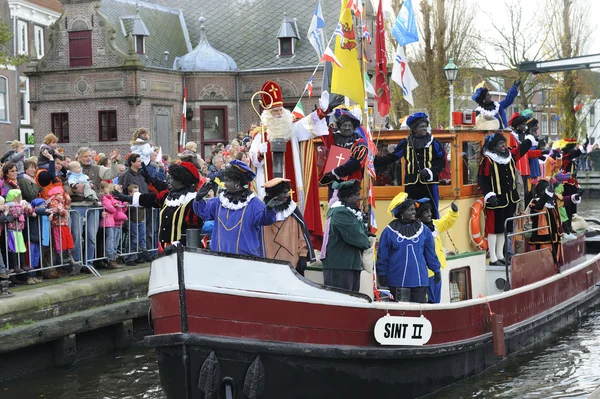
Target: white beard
{"type": "Point", "coordinates": [278, 127]}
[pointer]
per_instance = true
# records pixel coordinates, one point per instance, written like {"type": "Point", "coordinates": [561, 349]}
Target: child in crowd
{"type": "Point", "coordinates": [190, 155]}
{"type": "Point", "coordinates": [137, 231]}
{"type": "Point", "coordinates": [141, 145]}
{"type": "Point", "coordinates": [36, 228]}
{"type": "Point", "coordinates": [3, 219]}
{"type": "Point", "coordinates": [108, 224]}
{"type": "Point", "coordinates": [120, 218]}
{"type": "Point", "coordinates": [49, 146]}
{"type": "Point", "coordinates": [58, 204]}
{"type": "Point", "coordinates": [75, 176]}
{"type": "Point", "coordinates": [18, 210]}
{"type": "Point", "coordinates": [16, 155]}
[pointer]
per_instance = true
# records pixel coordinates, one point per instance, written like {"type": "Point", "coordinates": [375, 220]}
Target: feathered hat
{"type": "Point", "coordinates": [480, 92]}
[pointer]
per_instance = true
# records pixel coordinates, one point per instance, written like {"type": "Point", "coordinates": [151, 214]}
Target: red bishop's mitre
{"type": "Point", "coordinates": [275, 98]}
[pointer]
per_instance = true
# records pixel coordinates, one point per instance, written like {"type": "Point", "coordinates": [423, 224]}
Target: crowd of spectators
{"type": "Point", "coordinates": [58, 214]}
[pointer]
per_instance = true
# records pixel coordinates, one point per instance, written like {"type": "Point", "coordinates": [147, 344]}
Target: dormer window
{"type": "Point", "coordinates": [287, 36]}
{"type": "Point", "coordinates": [140, 44]}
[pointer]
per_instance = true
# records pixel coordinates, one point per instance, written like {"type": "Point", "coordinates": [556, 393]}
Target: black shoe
{"type": "Point", "coordinates": [130, 263]}
{"type": "Point", "coordinates": [497, 263]}
{"type": "Point", "coordinates": [100, 264]}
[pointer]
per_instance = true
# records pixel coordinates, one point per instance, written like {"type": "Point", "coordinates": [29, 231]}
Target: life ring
{"type": "Point", "coordinates": [477, 236]}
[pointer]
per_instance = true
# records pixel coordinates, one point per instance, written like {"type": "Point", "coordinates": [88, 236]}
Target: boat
{"type": "Point", "coordinates": [231, 326]}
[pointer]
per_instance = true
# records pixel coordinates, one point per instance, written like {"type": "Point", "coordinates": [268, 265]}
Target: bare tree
{"type": "Point", "coordinates": [569, 35]}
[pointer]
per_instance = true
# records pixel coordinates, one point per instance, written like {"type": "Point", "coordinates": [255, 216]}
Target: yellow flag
{"type": "Point", "coordinates": [347, 80]}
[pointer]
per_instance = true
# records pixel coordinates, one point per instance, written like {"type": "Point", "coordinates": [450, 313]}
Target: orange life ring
{"type": "Point", "coordinates": [477, 236]}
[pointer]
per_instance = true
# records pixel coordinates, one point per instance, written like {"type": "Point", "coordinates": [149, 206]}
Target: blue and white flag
{"type": "Point", "coordinates": [405, 27]}
{"type": "Point", "coordinates": [316, 31]}
{"type": "Point", "coordinates": [402, 75]}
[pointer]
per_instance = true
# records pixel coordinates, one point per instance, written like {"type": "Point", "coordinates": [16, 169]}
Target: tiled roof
{"type": "Point", "coordinates": [247, 29]}
{"type": "Point", "coordinates": [53, 5]}
{"type": "Point", "coordinates": [167, 32]}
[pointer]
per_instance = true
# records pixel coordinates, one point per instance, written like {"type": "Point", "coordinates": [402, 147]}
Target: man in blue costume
{"type": "Point", "coordinates": [238, 214]}
{"type": "Point", "coordinates": [491, 115]}
{"type": "Point", "coordinates": [425, 159]}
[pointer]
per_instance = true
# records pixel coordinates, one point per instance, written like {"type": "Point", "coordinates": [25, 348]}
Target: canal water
{"type": "Point", "coordinates": [566, 366]}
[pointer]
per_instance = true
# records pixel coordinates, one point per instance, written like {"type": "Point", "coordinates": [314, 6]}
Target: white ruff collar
{"type": "Point", "coordinates": [357, 213]}
{"type": "Point", "coordinates": [498, 158]}
{"type": "Point", "coordinates": [225, 203]}
{"type": "Point", "coordinates": [413, 238]}
{"type": "Point", "coordinates": [486, 112]}
{"type": "Point", "coordinates": [286, 212]}
{"type": "Point", "coordinates": [183, 199]}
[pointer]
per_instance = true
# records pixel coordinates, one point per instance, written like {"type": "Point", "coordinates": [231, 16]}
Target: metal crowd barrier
{"type": "Point", "coordinates": [50, 258]}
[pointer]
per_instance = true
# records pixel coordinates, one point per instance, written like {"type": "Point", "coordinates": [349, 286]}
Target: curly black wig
{"type": "Point", "coordinates": [235, 174]}
{"type": "Point", "coordinates": [182, 175]}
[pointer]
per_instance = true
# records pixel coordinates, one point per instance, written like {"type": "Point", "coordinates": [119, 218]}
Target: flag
{"type": "Point", "coordinates": [405, 26]}
{"type": "Point", "coordinates": [298, 111]}
{"type": "Point", "coordinates": [339, 32]}
{"type": "Point", "coordinates": [347, 81]}
{"type": "Point", "coordinates": [368, 86]}
{"type": "Point", "coordinates": [402, 75]}
{"type": "Point", "coordinates": [309, 86]}
{"type": "Point", "coordinates": [329, 56]}
{"type": "Point", "coordinates": [355, 6]}
{"type": "Point", "coordinates": [382, 87]}
{"type": "Point", "coordinates": [316, 31]}
{"type": "Point", "coordinates": [365, 32]}
{"type": "Point", "coordinates": [182, 135]}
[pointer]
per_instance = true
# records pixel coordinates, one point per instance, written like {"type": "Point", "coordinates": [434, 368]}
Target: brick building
{"type": "Point", "coordinates": [115, 65]}
{"type": "Point", "coordinates": [28, 21]}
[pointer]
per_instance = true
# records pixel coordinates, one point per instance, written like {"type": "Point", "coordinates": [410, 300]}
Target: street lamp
{"type": "Point", "coordinates": [451, 71]}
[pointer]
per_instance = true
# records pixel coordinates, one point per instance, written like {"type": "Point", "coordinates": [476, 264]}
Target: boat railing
{"type": "Point", "coordinates": [508, 235]}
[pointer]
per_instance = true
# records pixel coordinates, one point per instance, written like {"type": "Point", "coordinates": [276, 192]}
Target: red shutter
{"type": "Point", "coordinates": [80, 48]}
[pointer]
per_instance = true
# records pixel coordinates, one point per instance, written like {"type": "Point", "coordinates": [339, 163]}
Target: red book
{"type": "Point", "coordinates": [337, 156]}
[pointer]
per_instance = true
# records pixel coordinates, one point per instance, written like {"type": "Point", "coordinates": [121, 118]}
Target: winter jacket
{"type": "Point", "coordinates": [143, 148]}
{"type": "Point", "coordinates": [16, 158]}
{"type": "Point", "coordinates": [42, 160]}
{"type": "Point", "coordinates": [121, 215]}
{"type": "Point", "coordinates": [404, 260]}
{"type": "Point", "coordinates": [96, 174]}
{"type": "Point", "coordinates": [108, 202]}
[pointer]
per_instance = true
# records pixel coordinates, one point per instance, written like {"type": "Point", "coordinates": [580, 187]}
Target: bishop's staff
{"type": "Point", "coordinates": [263, 134]}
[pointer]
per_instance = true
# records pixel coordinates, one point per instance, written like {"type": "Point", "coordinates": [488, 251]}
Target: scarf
{"type": "Point", "coordinates": [420, 142]}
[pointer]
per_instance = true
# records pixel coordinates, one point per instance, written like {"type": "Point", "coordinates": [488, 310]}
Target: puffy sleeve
{"type": "Point", "coordinates": [433, 263]}
{"type": "Point", "coordinates": [310, 126]}
{"type": "Point", "coordinates": [447, 221]}
{"type": "Point", "coordinates": [206, 209]}
{"type": "Point", "coordinates": [383, 253]}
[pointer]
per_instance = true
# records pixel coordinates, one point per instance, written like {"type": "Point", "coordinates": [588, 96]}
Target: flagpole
{"type": "Point", "coordinates": [366, 206]}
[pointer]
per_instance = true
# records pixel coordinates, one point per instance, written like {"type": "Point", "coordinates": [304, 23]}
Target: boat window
{"type": "Point", "coordinates": [391, 174]}
{"type": "Point", "coordinates": [460, 284]}
{"type": "Point", "coordinates": [471, 155]}
{"type": "Point", "coordinates": [446, 174]}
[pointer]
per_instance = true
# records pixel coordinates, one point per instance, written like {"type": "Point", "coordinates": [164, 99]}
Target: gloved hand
{"type": "Point", "coordinates": [327, 178]}
{"type": "Point", "coordinates": [554, 154]}
{"type": "Point", "coordinates": [145, 174]}
{"type": "Point", "coordinates": [263, 148]}
{"type": "Point", "coordinates": [454, 207]}
{"type": "Point", "coordinates": [122, 197]}
{"type": "Point", "coordinates": [576, 198]}
{"type": "Point", "coordinates": [324, 100]}
{"type": "Point", "coordinates": [437, 277]}
{"type": "Point", "coordinates": [274, 203]}
{"type": "Point", "coordinates": [383, 282]}
{"type": "Point", "coordinates": [492, 201]}
{"type": "Point", "coordinates": [203, 191]}
{"type": "Point", "coordinates": [517, 83]}
{"type": "Point", "coordinates": [424, 173]}
{"type": "Point", "coordinates": [545, 152]}
{"type": "Point", "coordinates": [335, 100]}
{"type": "Point", "coordinates": [301, 266]}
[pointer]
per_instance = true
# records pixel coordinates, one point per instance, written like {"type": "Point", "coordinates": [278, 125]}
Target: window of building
{"type": "Point", "coordinates": [140, 42]}
{"type": "Point", "coordinates": [553, 124]}
{"type": "Point", "coordinates": [80, 48]}
{"type": "Point", "coordinates": [592, 116]}
{"type": "Point", "coordinates": [544, 124]}
{"type": "Point", "coordinates": [544, 96]}
{"type": "Point", "coordinates": [460, 284]}
{"type": "Point", "coordinates": [22, 38]}
{"type": "Point", "coordinates": [107, 122]}
{"type": "Point", "coordinates": [60, 126]}
{"type": "Point", "coordinates": [286, 46]}
{"type": "Point", "coordinates": [213, 122]}
{"type": "Point", "coordinates": [24, 109]}
{"type": "Point", "coordinates": [471, 155]}
{"type": "Point", "coordinates": [4, 99]}
{"type": "Point", "coordinates": [38, 33]}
